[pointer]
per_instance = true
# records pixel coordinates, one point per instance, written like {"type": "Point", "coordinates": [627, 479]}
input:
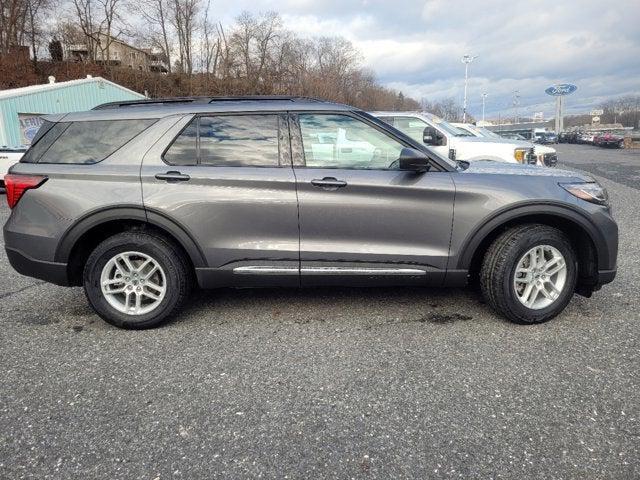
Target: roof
{"type": "Point", "coordinates": [46, 87]}
{"type": "Point", "coordinates": [122, 42]}
{"type": "Point", "coordinates": [221, 105]}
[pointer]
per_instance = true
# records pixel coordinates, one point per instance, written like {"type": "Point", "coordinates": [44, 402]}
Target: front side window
{"type": "Point", "coordinates": [227, 141]}
{"type": "Point", "coordinates": [340, 141]}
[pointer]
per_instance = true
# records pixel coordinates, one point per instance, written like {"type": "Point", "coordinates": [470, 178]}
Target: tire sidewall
{"type": "Point", "coordinates": [528, 315]}
{"type": "Point", "coordinates": [93, 290]}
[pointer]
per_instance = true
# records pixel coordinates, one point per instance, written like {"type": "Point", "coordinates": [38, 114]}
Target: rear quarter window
{"type": "Point", "coordinates": [84, 142]}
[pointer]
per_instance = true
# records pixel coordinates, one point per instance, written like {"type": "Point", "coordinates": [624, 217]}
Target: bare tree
{"type": "Point", "coordinates": [21, 21]}
{"type": "Point", "coordinates": [184, 19]}
{"type": "Point", "coordinates": [446, 108]}
{"type": "Point", "coordinates": [101, 21]}
{"type": "Point", "coordinates": [86, 20]}
{"type": "Point", "coordinates": [36, 9]}
{"type": "Point", "coordinates": [210, 44]}
{"type": "Point", "coordinates": [156, 16]}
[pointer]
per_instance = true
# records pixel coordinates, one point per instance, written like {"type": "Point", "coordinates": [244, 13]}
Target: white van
{"type": "Point", "coordinates": [446, 140]}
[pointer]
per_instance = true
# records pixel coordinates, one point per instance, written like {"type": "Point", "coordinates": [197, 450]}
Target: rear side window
{"type": "Point", "coordinates": [227, 141]}
{"type": "Point", "coordinates": [84, 142]}
{"type": "Point", "coordinates": [45, 137]}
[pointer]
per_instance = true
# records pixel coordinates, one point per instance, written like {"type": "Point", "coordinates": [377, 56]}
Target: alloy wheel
{"type": "Point", "coordinates": [540, 277]}
{"type": "Point", "coordinates": [133, 283]}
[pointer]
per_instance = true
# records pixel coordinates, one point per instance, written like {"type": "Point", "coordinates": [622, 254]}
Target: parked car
{"type": "Point", "coordinates": [140, 201]}
{"type": "Point", "coordinates": [8, 156]}
{"type": "Point", "coordinates": [545, 155]}
{"type": "Point", "coordinates": [587, 138]}
{"type": "Point", "coordinates": [608, 139]}
{"type": "Point", "coordinates": [569, 137]}
{"type": "Point", "coordinates": [447, 140]}
{"type": "Point", "coordinates": [542, 138]}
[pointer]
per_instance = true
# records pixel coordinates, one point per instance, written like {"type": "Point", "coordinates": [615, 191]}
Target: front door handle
{"type": "Point", "coordinates": [173, 176]}
{"type": "Point", "coordinates": [329, 183]}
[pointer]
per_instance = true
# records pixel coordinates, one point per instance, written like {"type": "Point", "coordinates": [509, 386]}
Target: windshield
{"type": "Point", "coordinates": [485, 132]}
{"type": "Point", "coordinates": [465, 133]}
{"type": "Point", "coordinates": [443, 125]}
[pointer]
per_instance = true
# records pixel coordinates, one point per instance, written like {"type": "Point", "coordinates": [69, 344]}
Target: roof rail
{"type": "Point", "coordinates": [203, 100]}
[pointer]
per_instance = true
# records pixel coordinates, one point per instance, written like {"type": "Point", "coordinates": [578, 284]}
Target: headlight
{"type": "Point", "coordinates": [590, 192]}
{"type": "Point", "coordinates": [520, 154]}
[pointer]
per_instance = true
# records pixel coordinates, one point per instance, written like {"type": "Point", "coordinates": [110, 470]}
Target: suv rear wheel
{"type": "Point", "coordinates": [136, 279]}
{"type": "Point", "coordinates": [529, 273]}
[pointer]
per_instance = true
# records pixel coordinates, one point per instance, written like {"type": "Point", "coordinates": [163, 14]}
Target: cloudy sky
{"type": "Point", "coordinates": [416, 45]}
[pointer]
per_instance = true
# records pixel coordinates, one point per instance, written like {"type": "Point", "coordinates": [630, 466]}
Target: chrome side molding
{"type": "Point", "coordinates": [266, 270]}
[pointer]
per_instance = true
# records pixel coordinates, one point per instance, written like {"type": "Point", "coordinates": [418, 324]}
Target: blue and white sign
{"type": "Point", "coordinates": [561, 89]}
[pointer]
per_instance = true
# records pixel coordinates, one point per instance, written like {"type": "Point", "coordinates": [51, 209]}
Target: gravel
{"type": "Point", "coordinates": [329, 383]}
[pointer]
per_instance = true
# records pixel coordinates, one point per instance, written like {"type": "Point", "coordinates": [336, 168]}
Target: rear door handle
{"type": "Point", "coordinates": [329, 183]}
{"type": "Point", "coordinates": [173, 176]}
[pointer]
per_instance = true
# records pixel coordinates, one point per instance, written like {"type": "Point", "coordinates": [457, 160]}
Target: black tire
{"type": "Point", "coordinates": [172, 261]}
{"type": "Point", "coordinates": [499, 268]}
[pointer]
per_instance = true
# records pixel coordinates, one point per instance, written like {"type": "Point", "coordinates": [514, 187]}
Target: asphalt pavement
{"type": "Point", "coordinates": [330, 383]}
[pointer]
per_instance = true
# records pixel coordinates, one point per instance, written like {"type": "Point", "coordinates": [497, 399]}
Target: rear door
{"type": "Point", "coordinates": [227, 180]}
{"type": "Point", "coordinates": [363, 221]}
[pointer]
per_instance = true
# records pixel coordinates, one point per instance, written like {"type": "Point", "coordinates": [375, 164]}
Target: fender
{"type": "Point", "coordinates": [523, 209]}
{"type": "Point", "coordinates": [129, 212]}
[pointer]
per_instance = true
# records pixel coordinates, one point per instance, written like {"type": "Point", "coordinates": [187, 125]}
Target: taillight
{"type": "Point", "coordinates": [16, 185]}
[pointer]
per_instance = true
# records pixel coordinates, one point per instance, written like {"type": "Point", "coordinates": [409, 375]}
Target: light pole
{"type": "Point", "coordinates": [516, 102]}
{"type": "Point", "coordinates": [466, 59]}
{"type": "Point", "coordinates": [484, 96]}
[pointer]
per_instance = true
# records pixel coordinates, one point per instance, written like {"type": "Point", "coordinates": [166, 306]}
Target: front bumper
{"type": "Point", "coordinates": [52, 272]}
{"type": "Point", "coordinates": [550, 159]}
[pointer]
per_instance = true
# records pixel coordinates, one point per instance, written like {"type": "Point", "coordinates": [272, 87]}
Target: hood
{"type": "Point", "coordinates": [486, 140]}
{"type": "Point", "coordinates": [544, 149]}
{"type": "Point", "coordinates": [507, 141]}
{"type": "Point", "coordinates": [490, 167]}
{"type": "Point", "coordinates": [498, 141]}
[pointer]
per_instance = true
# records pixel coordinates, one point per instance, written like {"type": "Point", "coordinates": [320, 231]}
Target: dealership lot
{"type": "Point", "coordinates": [328, 383]}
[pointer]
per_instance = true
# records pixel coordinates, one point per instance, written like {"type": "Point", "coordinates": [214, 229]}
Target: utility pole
{"type": "Point", "coordinates": [484, 96]}
{"type": "Point", "coordinates": [466, 59]}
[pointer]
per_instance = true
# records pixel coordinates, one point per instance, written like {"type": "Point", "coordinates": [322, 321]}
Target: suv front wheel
{"type": "Point", "coordinates": [136, 279]}
{"type": "Point", "coordinates": [529, 273]}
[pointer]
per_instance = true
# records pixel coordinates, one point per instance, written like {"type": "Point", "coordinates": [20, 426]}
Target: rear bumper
{"type": "Point", "coordinates": [49, 271]}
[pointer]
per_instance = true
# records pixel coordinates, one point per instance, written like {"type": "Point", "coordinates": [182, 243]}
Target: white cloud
{"type": "Point", "coordinates": [416, 45]}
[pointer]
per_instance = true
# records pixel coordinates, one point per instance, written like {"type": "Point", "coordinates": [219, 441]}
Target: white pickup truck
{"type": "Point", "coordinates": [448, 141]}
{"type": "Point", "coordinates": [8, 156]}
{"type": "Point", "coordinates": [546, 155]}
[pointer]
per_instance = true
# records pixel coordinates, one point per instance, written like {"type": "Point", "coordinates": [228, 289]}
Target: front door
{"type": "Point", "coordinates": [363, 221]}
{"type": "Point", "coordinates": [227, 180]}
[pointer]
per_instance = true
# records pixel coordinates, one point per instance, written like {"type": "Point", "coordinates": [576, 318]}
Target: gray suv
{"type": "Point", "coordinates": [141, 201]}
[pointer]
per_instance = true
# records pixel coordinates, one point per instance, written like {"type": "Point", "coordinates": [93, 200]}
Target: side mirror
{"type": "Point", "coordinates": [413, 160]}
{"type": "Point", "coordinates": [431, 136]}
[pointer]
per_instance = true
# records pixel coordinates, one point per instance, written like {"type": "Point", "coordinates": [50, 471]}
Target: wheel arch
{"type": "Point", "coordinates": [588, 241]}
{"type": "Point", "coordinates": [82, 237]}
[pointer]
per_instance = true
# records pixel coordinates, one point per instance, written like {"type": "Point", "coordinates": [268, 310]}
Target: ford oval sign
{"type": "Point", "coordinates": [560, 90]}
